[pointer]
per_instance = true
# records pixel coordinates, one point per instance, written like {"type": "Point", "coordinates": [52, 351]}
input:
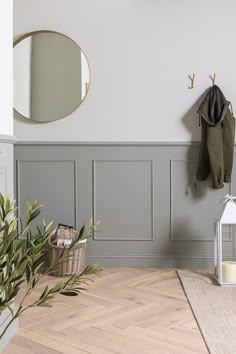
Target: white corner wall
{"type": "Point", "coordinates": [6, 115]}
{"type": "Point", "coordinates": [6, 131]}
{"type": "Point", "coordinates": [140, 55]}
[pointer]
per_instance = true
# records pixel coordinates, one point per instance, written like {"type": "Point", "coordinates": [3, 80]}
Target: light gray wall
{"type": "Point", "coordinates": [6, 83]}
{"type": "Point", "coordinates": [140, 55]}
{"type": "Point", "coordinates": [151, 213]}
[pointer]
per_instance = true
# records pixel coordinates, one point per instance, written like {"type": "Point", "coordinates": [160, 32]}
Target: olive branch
{"type": "Point", "coordinates": [23, 257]}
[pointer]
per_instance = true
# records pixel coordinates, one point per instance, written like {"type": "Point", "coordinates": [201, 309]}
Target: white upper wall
{"type": "Point", "coordinates": [6, 115]}
{"type": "Point", "coordinates": [140, 54]}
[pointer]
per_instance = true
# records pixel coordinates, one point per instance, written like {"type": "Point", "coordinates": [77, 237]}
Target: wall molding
{"type": "Point", "coordinates": [153, 185]}
{"type": "Point", "coordinates": [94, 162]}
{"type": "Point", "coordinates": [104, 143]}
{"type": "Point", "coordinates": [172, 161]}
{"type": "Point", "coordinates": [153, 261]}
{"type": "Point", "coordinates": [18, 183]}
{"type": "Point", "coordinates": [157, 255]}
{"type": "Point", "coordinates": [109, 143]}
{"type": "Point", "coordinates": [11, 139]}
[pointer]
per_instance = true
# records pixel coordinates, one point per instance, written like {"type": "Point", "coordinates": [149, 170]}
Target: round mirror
{"type": "Point", "coordinates": [51, 76]}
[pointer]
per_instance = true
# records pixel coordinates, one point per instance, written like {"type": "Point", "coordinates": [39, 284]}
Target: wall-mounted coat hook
{"type": "Point", "coordinates": [192, 81]}
{"type": "Point", "coordinates": [213, 79]}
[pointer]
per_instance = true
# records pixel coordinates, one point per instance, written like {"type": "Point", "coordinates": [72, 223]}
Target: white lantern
{"type": "Point", "coordinates": [225, 270]}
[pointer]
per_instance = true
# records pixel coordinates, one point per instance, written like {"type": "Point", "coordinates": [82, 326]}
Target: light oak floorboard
{"type": "Point", "coordinates": [126, 311]}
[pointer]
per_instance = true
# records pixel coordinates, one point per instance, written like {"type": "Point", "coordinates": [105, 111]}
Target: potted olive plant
{"type": "Point", "coordinates": [22, 265]}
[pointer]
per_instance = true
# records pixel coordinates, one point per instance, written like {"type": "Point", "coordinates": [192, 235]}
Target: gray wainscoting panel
{"type": "Point", "coordinates": [191, 206]}
{"type": "Point", "coordinates": [53, 184]}
{"type": "Point", "coordinates": [6, 168]}
{"type": "Point", "coordinates": [3, 180]}
{"type": "Point", "coordinates": [122, 195]}
{"type": "Point", "coordinates": [145, 196]}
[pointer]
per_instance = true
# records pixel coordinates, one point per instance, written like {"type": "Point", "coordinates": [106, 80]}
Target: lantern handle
{"type": "Point", "coordinates": [228, 197]}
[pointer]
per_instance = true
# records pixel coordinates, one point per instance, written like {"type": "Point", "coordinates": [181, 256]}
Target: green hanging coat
{"type": "Point", "coordinates": [217, 140]}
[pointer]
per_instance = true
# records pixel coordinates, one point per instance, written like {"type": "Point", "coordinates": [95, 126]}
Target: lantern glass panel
{"type": "Point", "coordinates": [216, 249]}
{"type": "Point", "coordinates": [228, 254]}
{"type": "Point", "coordinates": [228, 241]}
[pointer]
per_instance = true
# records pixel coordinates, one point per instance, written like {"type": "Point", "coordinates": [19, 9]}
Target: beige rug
{"type": "Point", "coordinates": [214, 309]}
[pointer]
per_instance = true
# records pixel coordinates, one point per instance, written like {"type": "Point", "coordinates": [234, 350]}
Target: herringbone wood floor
{"type": "Point", "coordinates": [128, 311]}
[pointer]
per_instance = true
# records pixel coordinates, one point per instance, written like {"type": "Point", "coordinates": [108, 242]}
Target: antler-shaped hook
{"type": "Point", "coordinates": [192, 81]}
{"type": "Point", "coordinates": [213, 79]}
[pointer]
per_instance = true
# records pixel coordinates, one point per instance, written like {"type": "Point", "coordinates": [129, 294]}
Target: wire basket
{"type": "Point", "coordinates": [73, 262]}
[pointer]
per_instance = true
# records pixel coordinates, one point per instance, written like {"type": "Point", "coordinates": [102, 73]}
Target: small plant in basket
{"type": "Point", "coordinates": [22, 260]}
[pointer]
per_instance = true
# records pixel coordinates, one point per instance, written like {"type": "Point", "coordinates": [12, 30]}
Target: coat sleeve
{"type": "Point", "coordinates": [228, 135]}
{"type": "Point", "coordinates": [215, 152]}
{"type": "Point", "coordinates": [203, 168]}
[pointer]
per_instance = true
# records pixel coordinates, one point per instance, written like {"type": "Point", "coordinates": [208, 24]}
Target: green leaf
{"type": "Point", "coordinates": [19, 283]}
{"type": "Point", "coordinates": [44, 305]}
{"type": "Point", "coordinates": [14, 293]}
{"type": "Point", "coordinates": [69, 293]}
{"type": "Point", "coordinates": [28, 273]}
{"type": "Point", "coordinates": [34, 214]}
{"type": "Point", "coordinates": [81, 233]}
{"type": "Point", "coordinates": [44, 292]}
{"type": "Point", "coordinates": [12, 226]}
{"type": "Point", "coordinates": [1, 200]}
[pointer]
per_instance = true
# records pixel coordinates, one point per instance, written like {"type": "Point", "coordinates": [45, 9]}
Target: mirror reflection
{"type": "Point", "coordinates": [51, 76]}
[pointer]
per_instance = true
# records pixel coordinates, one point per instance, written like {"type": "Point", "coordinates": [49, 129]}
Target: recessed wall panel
{"type": "Point", "coordinates": [194, 205]}
{"type": "Point", "coordinates": [122, 200]}
{"type": "Point", "coordinates": [53, 184]}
